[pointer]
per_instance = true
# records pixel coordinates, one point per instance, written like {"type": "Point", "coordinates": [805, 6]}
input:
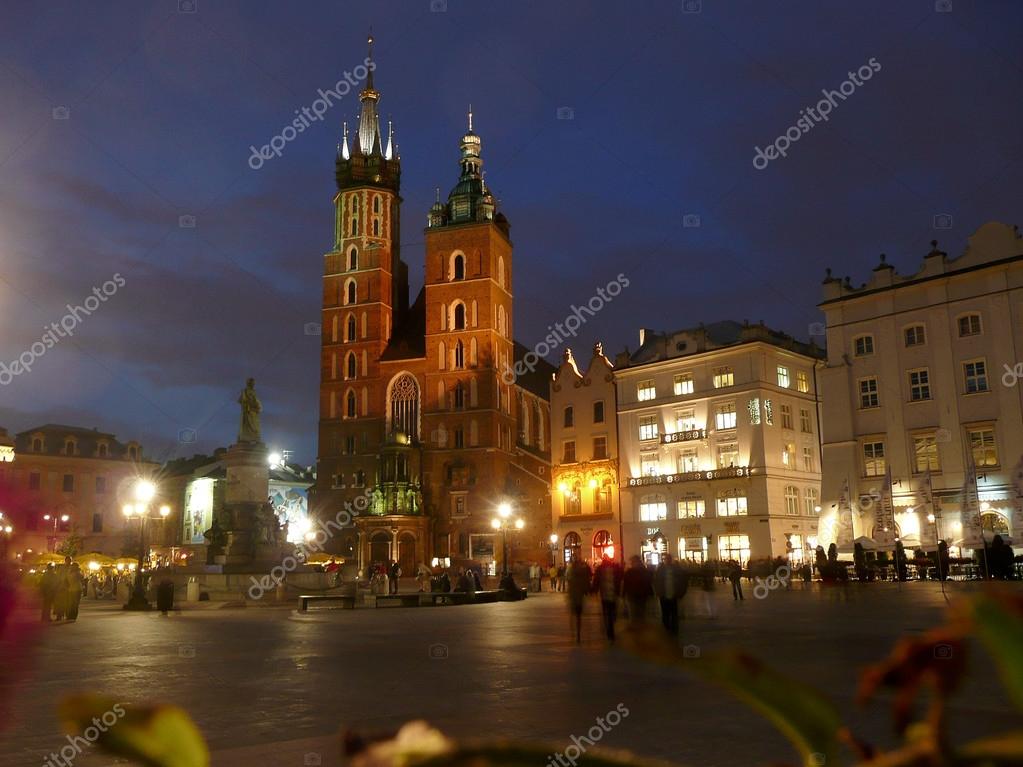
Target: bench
{"type": "Point", "coordinates": [463, 597]}
{"type": "Point", "coordinates": [404, 600]}
{"type": "Point", "coordinates": [346, 600]}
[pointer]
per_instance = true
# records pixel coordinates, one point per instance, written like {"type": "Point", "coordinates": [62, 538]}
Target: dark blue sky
{"type": "Point", "coordinates": [666, 105]}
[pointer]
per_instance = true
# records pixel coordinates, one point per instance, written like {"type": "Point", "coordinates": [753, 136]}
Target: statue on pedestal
{"type": "Point", "coordinates": [248, 431]}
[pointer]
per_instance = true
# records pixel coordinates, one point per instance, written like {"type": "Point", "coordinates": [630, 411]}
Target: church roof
{"type": "Point", "coordinates": [538, 380]}
{"type": "Point", "coordinates": [408, 342]}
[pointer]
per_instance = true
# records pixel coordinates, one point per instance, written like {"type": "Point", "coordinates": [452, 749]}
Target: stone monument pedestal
{"type": "Point", "coordinates": [246, 490]}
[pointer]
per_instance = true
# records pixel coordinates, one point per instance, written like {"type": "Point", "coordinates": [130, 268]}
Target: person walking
{"type": "Point", "coordinates": [74, 587]}
{"type": "Point", "coordinates": [392, 578]}
{"type": "Point", "coordinates": [637, 586]}
{"type": "Point", "coordinates": [47, 591]}
{"type": "Point", "coordinates": [607, 582]}
{"type": "Point", "coordinates": [707, 583]}
{"type": "Point", "coordinates": [552, 576]}
{"type": "Point", "coordinates": [579, 583]}
{"type": "Point", "coordinates": [562, 570]}
{"type": "Point", "coordinates": [670, 584]}
{"type": "Point", "coordinates": [735, 576]}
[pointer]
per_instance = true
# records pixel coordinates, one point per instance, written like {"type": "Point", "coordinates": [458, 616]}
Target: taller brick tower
{"type": "Point", "coordinates": [365, 295]}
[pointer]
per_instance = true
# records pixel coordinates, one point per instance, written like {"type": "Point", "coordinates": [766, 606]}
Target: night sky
{"type": "Point", "coordinates": [607, 127]}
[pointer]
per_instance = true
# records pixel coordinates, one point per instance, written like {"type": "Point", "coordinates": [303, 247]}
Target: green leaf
{"type": "Point", "coordinates": [1001, 631]}
{"type": "Point", "coordinates": [155, 736]}
{"type": "Point", "coordinates": [998, 749]}
{"type": "Point", "coordinates": [802, 714]}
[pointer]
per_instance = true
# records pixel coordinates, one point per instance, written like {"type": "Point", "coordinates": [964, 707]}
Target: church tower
{"type": "Point", "coordinates": [365, 295]}
{"type": "Point", "coordinates": [468, 407]}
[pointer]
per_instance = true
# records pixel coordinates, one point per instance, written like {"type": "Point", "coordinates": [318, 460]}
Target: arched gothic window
{"type": "Point", "coordinates": [353, 259]}
{"type": "Point", "coordinates": [350, 330]}
{"type": "Point", "coordinates": [350, 405]}
{"type": "Point", "coordinates": [459, 356]}
{"type": "Point", "coordinates": [350, 292]}
{"type": "Point", "coordinates": [403, 406]}
{"type": "Point", "coordinates": [459, 318]}
{"type": "Point", "coordinates": [458, 267]}
{"type": "Point", "coordinates": [351, 366]}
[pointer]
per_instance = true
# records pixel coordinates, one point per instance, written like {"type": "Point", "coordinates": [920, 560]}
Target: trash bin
{"type": "Point", "coordinates": [192, 590]}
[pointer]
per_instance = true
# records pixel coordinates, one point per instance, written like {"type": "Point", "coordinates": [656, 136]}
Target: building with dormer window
{"type": "Point", "coordinates": [923, 400]}
{"type": "Point", "coordinates": [68, 479]}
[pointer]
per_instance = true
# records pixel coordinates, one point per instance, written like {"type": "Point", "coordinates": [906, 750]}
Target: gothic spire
{"type": "Point", "coordinates": [345, 155]}
{"type": "Point", "coordinates": [369, 120]}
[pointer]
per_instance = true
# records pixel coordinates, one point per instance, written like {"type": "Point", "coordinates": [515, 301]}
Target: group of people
{"type": "Point", "coordinates": [555, 577]}
{"type": "Point", "coordinates": [636, 585]}
{"type": "Point", "coordinates": [60, 591]}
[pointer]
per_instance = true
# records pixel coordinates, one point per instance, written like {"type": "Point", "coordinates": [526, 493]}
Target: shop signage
{"type": "Point", "coordinates": [732, 472]}
{"type": "Point", "coordinates": [683, 436]}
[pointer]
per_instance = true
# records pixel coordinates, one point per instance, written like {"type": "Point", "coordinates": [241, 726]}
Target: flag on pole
{"type": "Point", "coordinates": [972, 532]}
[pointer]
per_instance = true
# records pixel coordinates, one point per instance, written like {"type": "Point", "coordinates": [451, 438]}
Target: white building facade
{"type": "Point", "coordinates": [719, 445]}
{"type": "Point", "coordinates": [923, 422]}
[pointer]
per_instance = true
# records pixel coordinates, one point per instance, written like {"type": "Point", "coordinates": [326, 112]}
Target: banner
{"type": "Point", "coordinates": [884, 518]}
{"type": "Point", "coordinates": [972, 531]}
{"type": "Point", "coordinates": [845, 521]}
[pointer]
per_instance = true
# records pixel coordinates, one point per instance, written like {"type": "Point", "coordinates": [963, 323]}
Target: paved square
{"type": "Point", "coordinates": [267, 689]}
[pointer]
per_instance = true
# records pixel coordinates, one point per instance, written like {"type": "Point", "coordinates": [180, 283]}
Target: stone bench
{"type": "Point", "coordinates": [346, 600]}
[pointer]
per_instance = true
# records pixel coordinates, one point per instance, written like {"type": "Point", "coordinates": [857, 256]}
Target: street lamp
{"type": "Point", "coordinates": [502, 522]}
{"type": "Point", "coordinates": [6, 530]}
{"type": "Point", "coordinates": [64, 518]}
{"type": "Point", "coordinates": [144, 492]}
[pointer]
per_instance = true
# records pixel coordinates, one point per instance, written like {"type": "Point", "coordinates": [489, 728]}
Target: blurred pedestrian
{"type": "Point", "coordinates": [637, 586]}
{"type": "Point", "coordinates": [670, 584]}
{"type": "Point", "coordinates": [74, 587]}
{"type": "Point", "coordinates": [607, 582]}
{"type": "Point", "coordinates": [579, 584]}
{"type": "Point", "coordinates": [47, 592]}
{"type": "Point", "coordinates": [735, 576]}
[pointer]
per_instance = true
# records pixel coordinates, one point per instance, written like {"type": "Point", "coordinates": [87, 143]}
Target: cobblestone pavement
{"type": "Point", "coordinates": [268, 689]}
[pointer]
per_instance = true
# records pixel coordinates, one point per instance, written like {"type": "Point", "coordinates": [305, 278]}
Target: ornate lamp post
{"type": "Point", "coordinates": [502, 522]}
{"type": "Point", "coordinates": [64, 518]}
{"type": "Point", "coordinates": [144, 492]}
